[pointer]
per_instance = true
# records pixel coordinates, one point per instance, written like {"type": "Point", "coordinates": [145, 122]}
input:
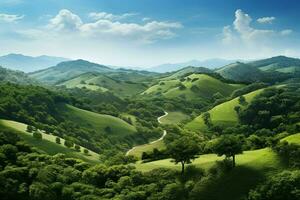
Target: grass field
{"type": "Point", "coordinates": [174, 117]}
{"type": "Point", "coordinates": [223, 114]}
{"type": "Point", "coordinates": [97, 122]}
{"type": "Point", "coordinates": [48, 144]}
{"type": "Point", "coordinates": [293, 139]}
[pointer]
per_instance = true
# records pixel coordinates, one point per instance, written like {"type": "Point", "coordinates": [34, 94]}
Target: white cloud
{"type": "Point", "coordinates": [266, 20]}
{"type": "Point", "coordinates": [227, 35]}
{"type": "Point", "coordinates": [242, 26]}
{"type": "Point", "coordinates": [146, 19]}
{"type": "Point", "coordinates": [107, 26]}
{"type": "Point", "coordinates": [286, 32]}
{"type": "Point", "coordinates": [10, 18]}
{"type": "Point", "coordinates": [110, 16]}
{"type": "Point", "coordinates": [65, 20]}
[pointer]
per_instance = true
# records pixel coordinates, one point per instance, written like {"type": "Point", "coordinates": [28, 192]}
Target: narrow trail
{"type": "Point", "coordinates": [161, 138]}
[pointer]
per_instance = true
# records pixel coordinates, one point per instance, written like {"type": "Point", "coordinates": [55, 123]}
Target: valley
{"type": "Point", "coordinates": [204, 132]}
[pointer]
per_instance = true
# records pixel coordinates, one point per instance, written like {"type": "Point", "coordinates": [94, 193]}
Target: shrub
{"type": "Point", "coordinates": [69, 143]}
{"type": "Point", "coordinates": [85, 151]}
{"type": "Point", "coordinates": [37, 135]}
{"type": "Point", "coordinates": [77, 147]}
{"type": "Point", "coordinates": [57, 140]}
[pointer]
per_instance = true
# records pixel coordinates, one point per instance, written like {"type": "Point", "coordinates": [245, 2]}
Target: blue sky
{"type": "Point", "coordinates": [150, 32]}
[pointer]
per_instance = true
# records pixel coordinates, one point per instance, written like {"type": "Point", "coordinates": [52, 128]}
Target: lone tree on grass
{"type": "Point", "coordinates": [37, 135]}
{"type": "Point", "coordinates": [183, 150]}
{"type": "Point", "coordinates": [228, 145]}
{"type": "Point", "coordinates": [85, 151]}
{"type": "Point", "coordinates": [69, 143]}
{"type": "Point", "coordinates": [57, 140]}
{"type": "Point", "coordinates": [30, 129]}
{"type": "Point", "coordinates": [77, 147]}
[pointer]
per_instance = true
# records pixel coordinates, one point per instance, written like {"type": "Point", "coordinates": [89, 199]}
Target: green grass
{"type": "Point", "coordinates": [48, 144]}
{"type": "Point", "coordinates": [293, 139]}
{"type": "Point", "coordinates": [174, 117]}
{"type": "Point", "coordinates": [138, 151]}
{"type": "Point", "coordinates": [97, 122]}
{"type": "Point", "coordinates": [223, 114]}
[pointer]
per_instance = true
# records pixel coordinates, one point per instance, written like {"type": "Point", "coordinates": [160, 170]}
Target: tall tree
{"type": "Point", "coordinates": [183, 150]}
{"type": "Point", "coordinates": [228, 145]}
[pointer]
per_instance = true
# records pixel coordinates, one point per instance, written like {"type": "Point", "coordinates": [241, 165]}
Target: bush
{"type": "Point", "coordinates": [30, 129]}
{"type": "Point", "coordinates": [69, 143]}
{"type": "Point", "coordinates": [77, 147]}
{"type": "Point", "coordinates": [85, 151]}
{"type": "Point", "coordinates": [57, 140]}
{"type": "Point", "coordinates": [37, 135]}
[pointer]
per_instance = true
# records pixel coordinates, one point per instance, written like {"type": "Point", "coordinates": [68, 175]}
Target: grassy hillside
{"type": "Point", "coordinates": [67, 70]}
{"type": "Point", "coordinates": [240, 72]}
{"type": "Point", "coordinates": [187, 70]}
{"type": "Point", "coordinates": [98, 122]}
{"type": "Point", "coordinates": [48, 144]}
{"type": "Point", "coordinates": [294, 139]}
{"type": "Point", "coordinates": [223, 114]}
{"type": "Point", "coordinates": [7, 75]}
{"type": "Point", "coordinates": [174, 117]}
{"type": "Point", "coordinates": [192, 87]}
{"type": "Point", "coordinates": [103, 83]}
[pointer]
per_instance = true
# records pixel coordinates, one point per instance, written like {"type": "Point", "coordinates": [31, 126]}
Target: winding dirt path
{"type": "Point", "coordinates": [161, 138]}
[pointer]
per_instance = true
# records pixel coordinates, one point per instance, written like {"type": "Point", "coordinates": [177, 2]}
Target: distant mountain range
{"type": "Point", "coordinates": [210, 63]}
{"type": "Point", "coordinates": [28, 63]}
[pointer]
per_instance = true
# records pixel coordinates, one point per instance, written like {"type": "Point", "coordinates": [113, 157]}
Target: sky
{"type": "Point", "coordinates": [143, 33]}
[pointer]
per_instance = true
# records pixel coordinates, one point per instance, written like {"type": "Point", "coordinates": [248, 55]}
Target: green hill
{"type": "Point", "coordinates": [187, 70]}
{"type": "Point", "coordinates": [67, 70]}
{"type": "Point", "coordinates": [240, 72]}
{"type": "Point", "coordinates": [103, 83]}
{"type": "Point", "coordinates": [192, 87]}
{"type": "Point", "coordinates": [278, 63]}
{"type": "Point", "coordinates": [7, 75]}
{"type": "Point", "coordinates": [98, 122]}
{"type": "Point", "coordinates": [48, 143]}
{"type": "Point", "coordinates": [223, 114]}
{"type": "Point", "coordinates": [252, 167]}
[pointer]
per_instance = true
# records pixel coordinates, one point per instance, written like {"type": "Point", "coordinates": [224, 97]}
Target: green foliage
{"type": "Point", "coordinates": [37, 135]}
{"type": "Point", "coordinates": [69, 143]}
{"type": "Point", "coordinates": [285, 185]}
{"type": "Point", "coordinates": [228, 145]}
{"type": "Point", "coordinates": [183, 150]}
{"type": "Point", "coordinates": [77, 147]}
{"type": "Point", "coordinates": [207, 119]}
{"type": "Point", "coordinates": [57, 140]}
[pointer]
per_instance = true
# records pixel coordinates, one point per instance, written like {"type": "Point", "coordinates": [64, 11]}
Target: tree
{"type": "Point", "coordinates": [242, 100]}
{"type": "Point", "coordinates": [69, 143]}
{"type": "Point", "coordinates": [228, 145]}
{"type": "Point", "coordinates": [207, 119]}
{"type": "Point", "coordinates": [85, 151]}
{"type": "Point", "coordinates": [237, 109]}
{"type": "Point", "coordinates": [57, 140]}
{"type": "Point", "coordinates": [183, 150]}
{"type": "Point", "coordinates": [108, 129]}
{"type": "Point", "coordinates": [30, 129]}
{"type": "Point", "coordinates": [77, 147]}
{"type": "Point", "coordinates": [37, 135]}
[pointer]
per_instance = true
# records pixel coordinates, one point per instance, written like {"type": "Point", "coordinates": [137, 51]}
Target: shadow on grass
{"type": "Point", "coordinates": [232, 185]}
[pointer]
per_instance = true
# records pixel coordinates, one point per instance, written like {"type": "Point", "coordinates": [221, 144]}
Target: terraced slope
{"type": "Point", "coordinates": [48, 144]}
{"type": "Point", "coordinates": [223, 114]}
{"type": "Point", "coordinates": [192, 87]}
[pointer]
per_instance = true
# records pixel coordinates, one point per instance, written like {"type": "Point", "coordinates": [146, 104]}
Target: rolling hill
{"type": "Point", "coordinates": [67, 70]}
{"type": "Point", "coordinates": [192, 87]}
{"type": "Point", "coordinates": [240, 72]}
{"type": "Point", "coordinates": [223, 114]}
{"type": "Point", "coordinates": [279, 63]}
{"type": "Point", "coordinates": [98, 122]}
{"type": "Point", "coordinates": [48, 143]}
{"type": "Point", "coordinates": [252, 167]}
{"type": "Point", "coordinates": [28, 63]}
{"type": "Point", "coordinates": [7, 75]}
{"type": "Point", "coordinates": [103, 83]}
